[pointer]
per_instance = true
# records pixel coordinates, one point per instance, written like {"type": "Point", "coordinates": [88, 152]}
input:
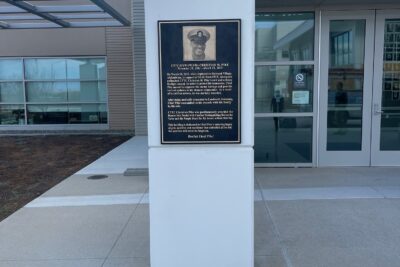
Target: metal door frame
{"type": "Point", "coordinates": [345, 158]}
{"type": "Point", "coordinates": [378, 157]}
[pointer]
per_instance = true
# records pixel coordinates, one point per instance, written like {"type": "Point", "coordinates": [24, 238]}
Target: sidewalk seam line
{"type": "Point", "coordinates": [285, 255]}
{"type": "Point", "coordinates": [123, 229]}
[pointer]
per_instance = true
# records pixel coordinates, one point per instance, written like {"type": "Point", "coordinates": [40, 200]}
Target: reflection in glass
{"type": "Point", "coordinates": [44, 92]}
{"type": "Point", "coordinates": [390, 118]}
{"type": "Point", "coordinates": [283, 140]}
{"type": "Point", "coordinates": [58, 90]}
{"type": "Point", "coordinates": [67, 114]}
{"type": "Point", "coordinates": [45, 69]}
{"type": "Point", "coordinates": [87, 113]}
{"type": "Point", "coordinates": [10, 69]}
{"type": "Point", "coordinates": [345, 85]}
{"type": "Point", "coordinates": [47, 114]}
{"type": "Point", "coordinates": [284, 88]}
{"type": "Point", "coordinates": [12, 114]}
{"type": "Point", "coordinates": [87, 91]}
{"type": "Point", "coordinates": [11, 92]}
{"type": "Point", "coordinates": [86, 69]}
{"type": "Point", "coordinates": [284, 36]}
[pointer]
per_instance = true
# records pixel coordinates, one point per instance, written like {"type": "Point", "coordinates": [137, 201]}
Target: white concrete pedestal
{"type": "Point", "coordinates": [201, 211]}
{"type": "Point", "coordinates": [201, 196]}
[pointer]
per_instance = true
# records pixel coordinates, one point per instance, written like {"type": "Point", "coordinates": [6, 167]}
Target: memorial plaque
{"type": "Point", "coordinates": [200, 81]}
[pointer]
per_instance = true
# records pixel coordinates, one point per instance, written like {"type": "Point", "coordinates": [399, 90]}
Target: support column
{"type": "Point", "coordinates": [201, 196]}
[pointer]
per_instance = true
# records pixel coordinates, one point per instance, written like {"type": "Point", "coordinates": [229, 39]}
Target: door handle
{"type": "Point", "coordinates": [377, 109]}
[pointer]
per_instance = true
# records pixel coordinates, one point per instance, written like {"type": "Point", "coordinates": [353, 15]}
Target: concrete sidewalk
{"type": "Point", "coordinates": [82, 222]}
{"type": "Point", "coordinates": [131, 154]}
{"type": "Point", "coordinates": [303, 217]}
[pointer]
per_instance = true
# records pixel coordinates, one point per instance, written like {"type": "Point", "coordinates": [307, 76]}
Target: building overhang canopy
{"type": "Point", "coordinates": [18, 14]}
{"type": "Point", "coordinates": [282, 4]}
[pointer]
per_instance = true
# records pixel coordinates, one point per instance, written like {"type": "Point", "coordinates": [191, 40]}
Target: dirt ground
{"type": "Point", "coordinates": [30, 165]}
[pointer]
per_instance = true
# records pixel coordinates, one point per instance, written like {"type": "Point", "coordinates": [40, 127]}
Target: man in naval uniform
{"type": "Point", "coordinates": [198, 39]}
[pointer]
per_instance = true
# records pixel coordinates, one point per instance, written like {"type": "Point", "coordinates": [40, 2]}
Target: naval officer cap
{"type": "Point", "coordinates": [199, 36]}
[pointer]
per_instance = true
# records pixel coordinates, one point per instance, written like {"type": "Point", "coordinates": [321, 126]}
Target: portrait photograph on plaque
{"type": "Point", "coordinates": [200, 84]}
{"type": "Point", "coordinates": [199, 43]}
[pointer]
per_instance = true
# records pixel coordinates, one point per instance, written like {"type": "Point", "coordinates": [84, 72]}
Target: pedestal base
{"type": "Point", "coordinates": [201, 206]}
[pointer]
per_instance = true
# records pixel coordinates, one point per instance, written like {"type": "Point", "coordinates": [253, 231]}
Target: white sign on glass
{"type": "Point", "coordinates": [300, 97]}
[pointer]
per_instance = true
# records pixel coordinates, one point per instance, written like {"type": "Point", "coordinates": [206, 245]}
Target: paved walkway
{"type": "Point", "coordinates": [303, 217]}
{"type": "Point", "coordinates": [131, 154]}
{"type": "Point", "coordinates": [85, 223]}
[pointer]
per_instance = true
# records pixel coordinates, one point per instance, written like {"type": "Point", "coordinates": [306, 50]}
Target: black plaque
{"type": "Point", "coordinates": [200, 81]}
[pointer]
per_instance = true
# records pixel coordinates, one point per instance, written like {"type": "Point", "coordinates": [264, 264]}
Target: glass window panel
{"type": "Point", "coordinates": [87, 113]}
{"type": "Point", "coordinates": [390, 133]}
{"type": "Point", "coordinates": [87, 92]}
{"type": "Point", "coordinates": [284, 89]}
{"type": "Point", "coordinates": [12, 114]}
{"type": "Point", "coordinates": [390, 118]}
{"type": "Point", "coordinates": [86, 69]}
{"type": "Point", "coordinates": [103, 92]}
{"type": "Point", "coordinates": [283, 140]}
{"type": "Point", "coordinates": [47, 114]}
{"type": "Point", "coordinates": [11, 92]}
{"type": "Point", "coordinates": [44, 92]}
{"type": "Point", "coordinates": [45, 69]}
{"type": "Point", "coordinates": [346, 43]}
{"type": "Point", "coordinates": [10, 69]}
{"type": "Point", "coordinates": [335, 47]}
{"type": "Point", "coordinates": [284, 36]}
{"type": "Point", "coordinates": [345, 86]}
{"type": "Point", "coordinates": [43, 89]}
{"type": "Point", "coordinates": [103, 113]}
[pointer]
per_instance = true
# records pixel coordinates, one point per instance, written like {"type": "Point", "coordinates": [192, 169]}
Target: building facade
{"type": "Point", "coordinates": [67, 79]}
{"type": "Point", "coordinates": [327, 81]}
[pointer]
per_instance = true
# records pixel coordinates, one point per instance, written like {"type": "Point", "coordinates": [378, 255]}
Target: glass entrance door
{"type": "Point", "coordinates": [385, 148]}
{"type": "Point", "coordinates": [346, 88]}
{"type": "Point", "coordinates": [284, 89]}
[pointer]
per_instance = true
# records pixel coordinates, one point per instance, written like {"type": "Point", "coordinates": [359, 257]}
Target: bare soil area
{"type": "Point", "coordinates": [30, 165]}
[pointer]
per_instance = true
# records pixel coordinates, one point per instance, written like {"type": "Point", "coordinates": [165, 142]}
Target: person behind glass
{"type": "Point", "coordinates": [277, 105]}
{"type": "Point", "coordinates": [341, 115]}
